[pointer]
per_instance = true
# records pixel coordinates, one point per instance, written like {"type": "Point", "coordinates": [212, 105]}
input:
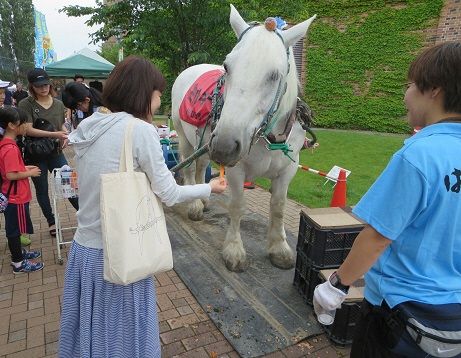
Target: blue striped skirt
{"type": "Point", "coordinates": [101, 319]}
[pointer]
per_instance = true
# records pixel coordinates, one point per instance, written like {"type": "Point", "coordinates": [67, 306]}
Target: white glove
{"type": "Point", "coordinates": [328, 297]}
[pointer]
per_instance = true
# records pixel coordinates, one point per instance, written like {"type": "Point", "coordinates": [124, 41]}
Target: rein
{"type": "Point", "coordinates": [268, 122]}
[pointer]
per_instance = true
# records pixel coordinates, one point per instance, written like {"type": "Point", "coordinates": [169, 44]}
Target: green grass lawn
{"type": "Point", "coordinates": [161, 119]}
{"type": "Point", "coordinates": [364, 154]}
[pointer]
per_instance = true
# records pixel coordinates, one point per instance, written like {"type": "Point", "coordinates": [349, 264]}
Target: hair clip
{"type": "Point", "coordinates": [2, 131]}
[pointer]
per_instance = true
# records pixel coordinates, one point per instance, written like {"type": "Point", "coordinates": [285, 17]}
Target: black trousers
{"type": "Point", "coordinates": [371, 333]}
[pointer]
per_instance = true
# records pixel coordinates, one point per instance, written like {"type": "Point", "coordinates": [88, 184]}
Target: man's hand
{"type": "Point", "coordinates": [33, 170]}
{"type": "Point", "coordinates": [328, 297]}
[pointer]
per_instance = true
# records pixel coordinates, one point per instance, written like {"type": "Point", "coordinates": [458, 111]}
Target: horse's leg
{"type": "Point", "coordinates": [195, 207]}
{"type": "Point", "coordinates": [280, 254]}
{"type": "Point", "coordinates": [233, 252]}
{"type": "Point", "coordinates": [201, 165]}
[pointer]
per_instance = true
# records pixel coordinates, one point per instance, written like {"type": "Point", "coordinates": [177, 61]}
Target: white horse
{"type": "Point", "coordinates": [260, 97]}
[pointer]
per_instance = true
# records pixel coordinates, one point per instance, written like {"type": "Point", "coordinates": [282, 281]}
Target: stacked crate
{"type": "Point", "coordinates": [325, 238]}
{"type": "Point", "coordinates": [342, 330]}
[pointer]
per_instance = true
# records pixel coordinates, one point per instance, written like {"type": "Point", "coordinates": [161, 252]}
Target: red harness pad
{"type": "Point", "coordinates": [195, 107]}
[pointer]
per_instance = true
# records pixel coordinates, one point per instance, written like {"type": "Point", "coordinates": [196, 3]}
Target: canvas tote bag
{"type": "Point", "coordinates": [134, 234]}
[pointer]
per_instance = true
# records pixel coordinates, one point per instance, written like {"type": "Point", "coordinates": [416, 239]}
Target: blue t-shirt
{"type": "Point", "coordinates": [416, 203]}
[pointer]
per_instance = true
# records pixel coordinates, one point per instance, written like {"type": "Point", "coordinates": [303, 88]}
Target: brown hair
{"type": "Point", "coordinates": [130, 85]}
{"type": "Point", "coordinates": [52, 91]}
{"type": "Point", "coordinates": [440, 66]}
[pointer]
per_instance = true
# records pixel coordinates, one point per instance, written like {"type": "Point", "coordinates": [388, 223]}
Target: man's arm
{"type": "Point", "coordinates": [367, 248]}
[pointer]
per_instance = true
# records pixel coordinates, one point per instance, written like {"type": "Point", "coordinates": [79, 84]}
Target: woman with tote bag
{"type": "Point", "coordinates": [100, 318]}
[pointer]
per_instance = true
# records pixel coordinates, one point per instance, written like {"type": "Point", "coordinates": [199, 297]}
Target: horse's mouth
{"type": "Point", "coordinates": [226, 164]}
{"type": "Point", "coordinates": [225, 150]}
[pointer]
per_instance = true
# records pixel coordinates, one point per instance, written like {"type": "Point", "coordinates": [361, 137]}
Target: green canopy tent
{"type": "Point", "coordinates": [85, 62]}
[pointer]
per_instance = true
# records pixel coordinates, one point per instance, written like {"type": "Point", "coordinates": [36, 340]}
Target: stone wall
{"type": "Point", "coordinates": [449, 28]}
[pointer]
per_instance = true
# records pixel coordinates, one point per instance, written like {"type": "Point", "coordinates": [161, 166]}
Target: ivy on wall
{"type": "Point", "coordinates": [357, 58]}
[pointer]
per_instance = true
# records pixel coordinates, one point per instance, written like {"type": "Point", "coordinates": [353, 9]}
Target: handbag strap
{"type": "Point", "coordinates": [126, 156]}
{"type": "Point", "coordinates": [11, 182]}
{"type": "Point", "coordinates": [35, 110]}
{"type": "Point", "coordinates": [9, 188]}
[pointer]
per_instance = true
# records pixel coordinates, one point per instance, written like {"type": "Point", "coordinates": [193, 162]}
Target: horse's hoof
{"type": "Point", "coordinates": [195, 215]}
{"type": "Point", "coordinates": [206, 205]}
{"type": "Point", "coordinates": [241, 266]}
{"type": "Point", "coordinates": [282, 262]}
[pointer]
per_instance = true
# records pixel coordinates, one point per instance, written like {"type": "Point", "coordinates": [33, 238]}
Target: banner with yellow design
{"type": "Point", "coordinates": [44, 53]}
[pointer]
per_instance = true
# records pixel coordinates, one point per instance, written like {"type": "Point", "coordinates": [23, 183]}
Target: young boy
{"type": "Point", "coordinates": [14, 179]}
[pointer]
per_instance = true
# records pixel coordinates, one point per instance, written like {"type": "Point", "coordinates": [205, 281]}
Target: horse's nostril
{"type": "Point", "coordinates": [237, 146]}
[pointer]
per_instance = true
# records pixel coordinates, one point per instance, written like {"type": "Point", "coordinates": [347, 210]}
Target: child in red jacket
{"type": "Point", "coordinates": [15, 186]}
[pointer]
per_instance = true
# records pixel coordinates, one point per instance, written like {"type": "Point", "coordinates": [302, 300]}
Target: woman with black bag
{"type": "Point", "coordinates": [41, 106]}
{"type": "Point", "coordinates": [410, 250]}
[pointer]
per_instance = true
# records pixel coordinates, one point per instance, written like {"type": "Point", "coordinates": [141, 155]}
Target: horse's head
{"type": "Point", "coordinates": [260, 79]}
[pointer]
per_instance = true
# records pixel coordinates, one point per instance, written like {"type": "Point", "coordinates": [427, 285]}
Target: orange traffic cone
{"type": "Point", "coordinates": [339, 194]}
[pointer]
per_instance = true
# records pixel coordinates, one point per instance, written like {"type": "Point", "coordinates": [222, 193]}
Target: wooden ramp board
{"type": "Point", "coordinates": [259, 311]}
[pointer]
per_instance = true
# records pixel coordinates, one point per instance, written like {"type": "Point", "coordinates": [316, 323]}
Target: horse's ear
{"type": "Point", "coordinates": [295, 33]}
{"type": "Point", "coordinates": [238, 24]}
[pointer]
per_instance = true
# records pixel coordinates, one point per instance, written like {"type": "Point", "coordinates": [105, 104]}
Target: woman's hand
{"type": "Point", "coordinates": [64, 143]}
{"type": "Point", "coordinates": [62, 135]}
{"type": "Point", "coordinates": [218, 185]}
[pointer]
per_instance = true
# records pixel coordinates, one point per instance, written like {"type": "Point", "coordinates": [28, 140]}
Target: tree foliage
{"type": "Point", "coordinates": [175, 34]}
{"type": "Point", "coordinates": [358, 51]}
{"type": "Point", "coordinates": [16, 38]}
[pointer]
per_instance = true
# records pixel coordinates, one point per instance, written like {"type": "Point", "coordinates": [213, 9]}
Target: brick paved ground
{"type": "Point", "coordinates": [30, 303]}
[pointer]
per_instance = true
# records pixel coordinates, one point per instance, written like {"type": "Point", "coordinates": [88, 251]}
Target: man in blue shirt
{"type": "Point", "coordinates": [410, 250]}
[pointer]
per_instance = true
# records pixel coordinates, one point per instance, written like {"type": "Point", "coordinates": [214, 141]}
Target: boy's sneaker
{"type": "Point", "coordinates": [30, 255]}
{"type": "Point", "coordinates": [25, 241]}
{"type": "Point", "coordinates": [28, 266]}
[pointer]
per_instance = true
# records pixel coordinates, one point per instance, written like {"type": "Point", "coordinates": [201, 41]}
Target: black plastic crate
{"type": "Point", "coordinates": [306, 277]}
{"type": "Point", "coordinates": [342, 330]}
{"type": "Point", "coordinates": [327, 246]}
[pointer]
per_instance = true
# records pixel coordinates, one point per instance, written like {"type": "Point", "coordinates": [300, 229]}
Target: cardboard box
{"type": "Point", "coordinates": [326, 235]}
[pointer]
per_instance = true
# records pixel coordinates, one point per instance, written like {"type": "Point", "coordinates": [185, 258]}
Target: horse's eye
{"type": "Point", "coordinates": [225, 67]}
{"type": "Point", "coordinates": [273, 76]}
